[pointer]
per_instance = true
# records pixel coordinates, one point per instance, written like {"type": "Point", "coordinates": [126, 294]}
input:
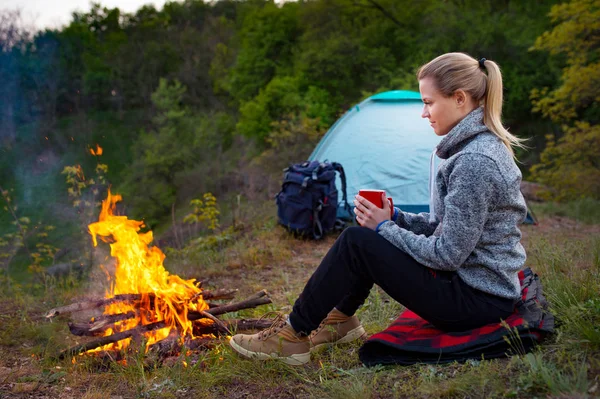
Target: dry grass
{"type": "Point", "coordinates": [264, 256]}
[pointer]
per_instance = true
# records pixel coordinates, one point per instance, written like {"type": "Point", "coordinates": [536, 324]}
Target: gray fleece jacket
{"type": "Point", "coordinates": [478, 207]}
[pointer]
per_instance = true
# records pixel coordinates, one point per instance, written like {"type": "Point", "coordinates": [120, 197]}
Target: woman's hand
{"type": "Point", "coordinates": [368, 214]}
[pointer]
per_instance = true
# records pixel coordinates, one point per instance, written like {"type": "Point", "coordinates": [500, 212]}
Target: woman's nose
{"type": "Point", "coordinates": [425, 113]}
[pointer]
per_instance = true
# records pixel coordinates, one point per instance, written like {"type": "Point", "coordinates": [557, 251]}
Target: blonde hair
{"type": "Point", "coordinates": [455, 71]}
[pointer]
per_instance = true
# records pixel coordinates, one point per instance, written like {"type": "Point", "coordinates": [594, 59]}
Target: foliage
{"type": "Point", "coordinates": [205, 210]}
{"type": "Point", "coordinates": [20, 239]}
{"type": "Point", "coordinates": [85, 192]}
{"type": "Point", "coordinates": [291, 139]}
{"type": "Point", "coordinates": [575, 37]}
{"type": "Point", "coordinates": [13, 241]}
{"type": "Point", "coordinates": [243, 67]}
{"type": "Point", "coordinates": [161, 153]}
{"type": "Point", "coordinates": [569, 164]}
{"type": "Point", "coordinates": [267, 36]}
{"type": "Point", "coordinates": [216, 241]}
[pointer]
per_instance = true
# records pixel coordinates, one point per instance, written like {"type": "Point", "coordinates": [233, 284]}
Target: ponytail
{"type": "Point", "coordinates": [492, 107]}
{"type": "Point", "coordinates": [454, 71]}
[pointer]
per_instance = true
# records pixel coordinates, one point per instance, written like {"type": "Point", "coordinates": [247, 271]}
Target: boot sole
{"type": "Point", "coordinates": [352, 335]}
{"type": "Point", "coordinates": [293, 360]}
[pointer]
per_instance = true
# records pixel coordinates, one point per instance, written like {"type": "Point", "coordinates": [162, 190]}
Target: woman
{"type": "Point", "coordinates": [457, 266]}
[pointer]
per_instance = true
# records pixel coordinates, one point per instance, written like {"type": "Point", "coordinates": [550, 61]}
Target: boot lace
{"type": "Point", "coordinates": [279, 322]}
{"type": "Point", "coordinates": [318, 329]}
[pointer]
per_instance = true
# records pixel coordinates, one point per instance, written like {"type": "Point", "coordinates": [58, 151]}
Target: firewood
{"type": "Point", "coordinates": [233, 325]}
{"type": "Point", "coordinates": [170, 346]}
{"type": "Point", "coordinates": [173, 346]}
{"type": "Point", "coordinates": [79, 306]}
{"type": "Point", "coordinates": [260, 298]}
{"type": "Point", "coordinates": [112, 339]}
{"type": "Point", "coordinates": [220, 293]}
{"type": "Point", "coordinates": [221, 327]}
{"type": "Point", "coordinates": [102, 323]}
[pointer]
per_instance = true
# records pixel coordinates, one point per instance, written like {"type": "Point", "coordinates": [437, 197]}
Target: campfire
{"type": "Point", "coordinates": [145, 303]}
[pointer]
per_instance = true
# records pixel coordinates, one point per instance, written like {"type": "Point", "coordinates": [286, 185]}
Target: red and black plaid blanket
{"type": "Point", "coordinates": [410, 339]}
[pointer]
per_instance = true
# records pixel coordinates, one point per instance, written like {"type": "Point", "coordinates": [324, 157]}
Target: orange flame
{"type": "Point", "coordinates": [140, 270]}
{"type": "Point", "coordinates": [98, 151]}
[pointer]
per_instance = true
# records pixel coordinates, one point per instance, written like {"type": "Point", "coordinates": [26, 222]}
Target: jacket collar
{"type": "Point", "coordinates": [470, 126]}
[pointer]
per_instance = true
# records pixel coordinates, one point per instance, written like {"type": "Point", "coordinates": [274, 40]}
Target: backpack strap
{"type": "Point", "coordinates": [337, 166]}
{"type": "Point", "coordinates": [317, 226]}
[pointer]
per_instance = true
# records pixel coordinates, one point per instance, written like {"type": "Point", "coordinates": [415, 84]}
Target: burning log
{"type": "Point", "coordinates": [112, 338]}
{"type": "Point", "coordinates": [199, 329]}
{"type": "Point", "coordinates": [101, 324]}
{"type": "Point", "coordinates": [221, 327]}
{"type": "Point", "coordinates": [94, 329]}
{"type": "Point", "coordinates": [98, 303]}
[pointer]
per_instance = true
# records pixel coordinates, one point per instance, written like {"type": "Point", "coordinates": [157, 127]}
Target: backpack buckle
{"type": "Point", "coordinates": [305, 182]}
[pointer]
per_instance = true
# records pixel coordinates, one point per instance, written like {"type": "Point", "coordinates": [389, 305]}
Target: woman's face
{"type": "Point", "coordinates": [443, 112]}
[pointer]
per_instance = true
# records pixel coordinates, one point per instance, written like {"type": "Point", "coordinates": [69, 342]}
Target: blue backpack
{"type": "Point", "coordinates": [308, 201]}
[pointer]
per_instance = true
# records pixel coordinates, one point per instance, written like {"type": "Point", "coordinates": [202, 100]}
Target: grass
{"type": "Point", "coordinates": [585, 210]}
{"type": "Point", "coordinates": [262, 255]}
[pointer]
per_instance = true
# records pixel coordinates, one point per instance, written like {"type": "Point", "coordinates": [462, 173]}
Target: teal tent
{"type": "Point", "coordinates": [383, 143]}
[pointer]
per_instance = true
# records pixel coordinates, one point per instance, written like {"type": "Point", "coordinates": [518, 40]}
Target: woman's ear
{"type": "Point", "coordinates": [460, 97]}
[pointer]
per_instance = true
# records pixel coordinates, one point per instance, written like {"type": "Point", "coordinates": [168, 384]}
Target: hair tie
{"type": "Point", "coordinates": [482, 63]}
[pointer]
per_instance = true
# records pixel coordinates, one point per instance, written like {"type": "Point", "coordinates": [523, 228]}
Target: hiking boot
{"type": "Point", "coordinates": [279, 341]}
{"type": "Point", "coordinates": [337, 328]}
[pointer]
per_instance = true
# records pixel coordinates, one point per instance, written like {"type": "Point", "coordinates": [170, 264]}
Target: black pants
{"type": "Point", "coordinates": [360, 258]}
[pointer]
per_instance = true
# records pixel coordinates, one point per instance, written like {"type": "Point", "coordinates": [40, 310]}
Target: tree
{"type": "Point", "coordinates": [576, 37]}
{"type": "Point", "coordinates": [569, 164]}
{"type": "Point", "coordinates": [161, 153]}
{"type": "Point", "coordinates": [267, 38]}
{"type": "Point", "coordinates": [14, 37]}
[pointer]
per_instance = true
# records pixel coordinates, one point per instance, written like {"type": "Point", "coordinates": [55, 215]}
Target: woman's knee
{"type": "Point", "coordinates": [356, 234]}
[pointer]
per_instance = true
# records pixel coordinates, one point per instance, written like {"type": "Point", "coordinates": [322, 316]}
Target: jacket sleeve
{"type": "Point", "coordinates": [472, 185]}
{"type": "Point", "coordinates": [417, 223]}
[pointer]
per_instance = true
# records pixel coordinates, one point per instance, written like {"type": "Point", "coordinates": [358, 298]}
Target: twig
{"type": "Point", "coordinates": [260, 298]}
{"type": "Point", "coordinates": [218, 322]}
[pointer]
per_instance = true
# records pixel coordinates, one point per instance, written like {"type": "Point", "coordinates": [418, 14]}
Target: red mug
{"type": "Point", "coordinates": [374, 196]}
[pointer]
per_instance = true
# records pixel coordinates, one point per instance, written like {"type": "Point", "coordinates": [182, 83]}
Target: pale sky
{"type": "Point", "coordinates": [55, 13]}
